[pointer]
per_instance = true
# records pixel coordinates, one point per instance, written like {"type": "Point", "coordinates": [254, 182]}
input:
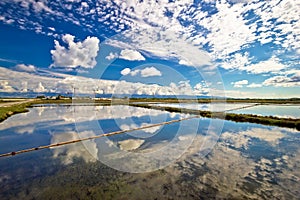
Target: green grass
{"type": "Point", "coordinates": [6, 112]}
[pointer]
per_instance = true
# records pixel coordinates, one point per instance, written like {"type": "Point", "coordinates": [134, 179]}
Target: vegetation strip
{"type": "Point", "coordinates": [217, 100]}
{"type": "Point", "coordinates": [265, 120]}
{"type": "Point", "coordinates": [21, 107]}
{"type": "Point", "coordinates": [8, 111]}
{"type": "Point", "coordinates": [94, 137]}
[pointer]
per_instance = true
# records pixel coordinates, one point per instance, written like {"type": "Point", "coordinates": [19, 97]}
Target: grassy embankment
{"type": "Point", "coordinates": [265, 120]}
{"type": "Point", "coordinates": [8, 111]}
{"type": "Point", "coordinates": [21, 107]}
{"type": "Point", "coordinates": [174, 100]}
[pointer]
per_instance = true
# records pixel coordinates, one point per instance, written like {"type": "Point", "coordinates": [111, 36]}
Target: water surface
{"type": "Point", "coordinates": [243, 161]}
{"type": "Point", "coordinates": [277, 110]}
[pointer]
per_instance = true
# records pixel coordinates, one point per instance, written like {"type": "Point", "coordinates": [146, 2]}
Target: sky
{"type": "Point", "coordinates": [232, 48]}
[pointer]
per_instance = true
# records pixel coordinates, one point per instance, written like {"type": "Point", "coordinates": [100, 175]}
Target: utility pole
{"type": "Point", "coordinates": [74, 91]}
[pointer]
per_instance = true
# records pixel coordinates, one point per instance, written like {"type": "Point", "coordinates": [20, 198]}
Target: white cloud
{"type": "Point", "coordinates": [242, 62]}
{"type": "Point", "coordinates": [76, 54]}
{"type": "Point", "coordinates": [8, 60]}
{"type": "Point", "coordinates": [146, 72]}
{"type": "Point", "coordinates": [228, 30]}
{"type": "Point", "coordinates": [62, 83]}
{"type": "Point", "coordinates": [286, 16]}
{"type": "Point", "coordinates": [272, 65]}
{"type": "Point", "coordinates": [129, 54]}
{"type": "Point", "coordinates": [240, 84]}
{"type": "Point", "coordinates": [283, 81]}
{"type": "Point", "coordinates": [5, 87]}
{"type": "Point", "coordinates": [254, 85]}
{"type": "Point", "coordinates": [24, 86]}
{"type": "Point", "coordinates": [237, 61]}
{"type": "Point", "coordinates": [182, 87]}
{"type": "Point", "coordinates": [40, 88]}
{"type": "Point", "coordinates": [125, 71]}
{"type": "Point", "coordinates": [51, 28]}
{"type": "Point", "coordinates": [25, 68]}
{"type": "Point", "coordinates": [184, 62]}
{"type": "Point", "coordinates": [201, 89]}
{"type": "Point", "coordinates": [150, 71]}
{"type": "Point", "coordinates": [111, 56]}
{"type": "Point", "coordinates": [7, 21]}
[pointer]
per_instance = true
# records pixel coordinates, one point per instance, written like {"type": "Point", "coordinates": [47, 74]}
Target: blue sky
{"type": "Point", "coordinates": [233, 48]}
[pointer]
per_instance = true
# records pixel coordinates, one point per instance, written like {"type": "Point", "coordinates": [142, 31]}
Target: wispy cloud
{"type": "Point", "coordinates": [9, 60]}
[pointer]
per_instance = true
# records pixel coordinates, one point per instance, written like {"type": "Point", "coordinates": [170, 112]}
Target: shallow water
{"type": "Point", "coordinates": [279, 110]}
{"type": "Point", "coordinates": [194, 159]}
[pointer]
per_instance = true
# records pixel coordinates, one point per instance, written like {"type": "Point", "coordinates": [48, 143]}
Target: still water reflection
{"type": "Point", "coordinates": [282, 110]}
{"type": "Point", "coordinates": [247, 161]}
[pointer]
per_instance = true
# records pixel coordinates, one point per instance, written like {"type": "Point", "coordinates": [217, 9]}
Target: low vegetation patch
{"type": "Point", "coordinates": [6, 112]}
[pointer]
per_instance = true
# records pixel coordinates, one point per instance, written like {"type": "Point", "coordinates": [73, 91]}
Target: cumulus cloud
{"type": "Point", "coordinates": [14, 81]}
{"type": "Point", "coordinates": [201, 89]}
{"type": "Point", "coordinates": [125, 71]}
{"type": "Point", "coordinates": [150, 71]}
{"type": "Point", "coordinates": [183, 87]}
{"type": "Point", "coordinates": [129, 54]}
{"type": "Point", "coordinates": [76, 54]}
{"type": "Point", "coordinates": [239, 84]}
{"type": "Point", "coordinates": [5, 87]}
{"type": "Point", "coordinates": [40, 88]}
{"type": "Point", "coordinates": [25, 68]}
{"type": "Point", "coordinates": [146, 72]}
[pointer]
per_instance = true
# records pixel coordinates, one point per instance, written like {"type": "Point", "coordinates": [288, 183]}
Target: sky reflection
{"type": "Point", "coordinates": [245, 160]}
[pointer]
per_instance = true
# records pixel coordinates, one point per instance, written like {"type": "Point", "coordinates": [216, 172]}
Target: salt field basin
{"type": "Point", "coordinates": [276, 110]}
{"type": "Point", "coordinates": [204, 159]}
